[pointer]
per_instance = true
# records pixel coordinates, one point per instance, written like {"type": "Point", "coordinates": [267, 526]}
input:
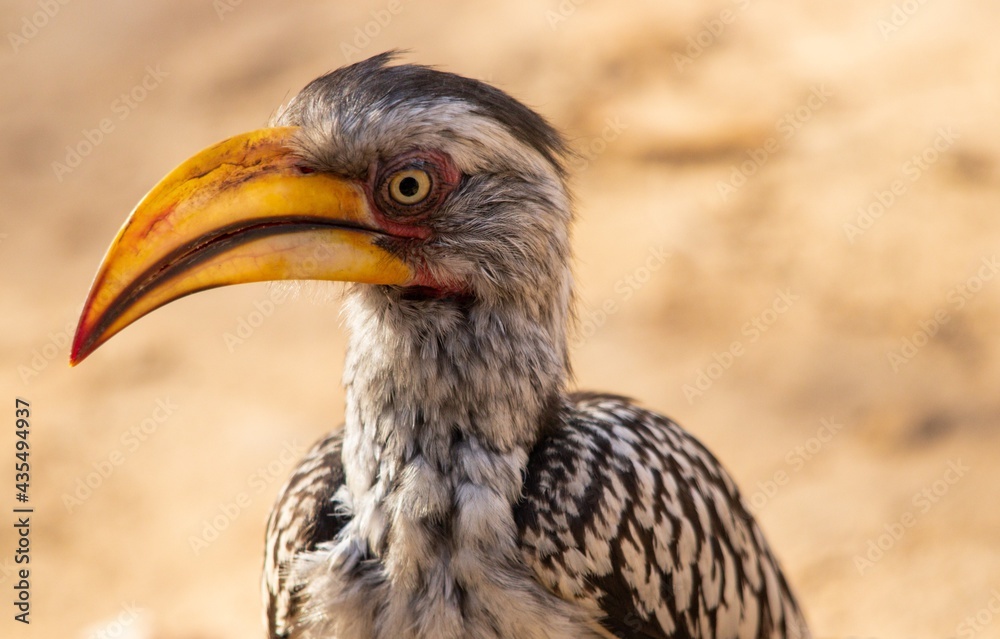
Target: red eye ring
{"type": "Point", "coordinates": [413, 183]}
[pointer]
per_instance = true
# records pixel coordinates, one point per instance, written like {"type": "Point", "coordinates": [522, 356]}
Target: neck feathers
{"type": "Point", "coordinates": [444, 405]}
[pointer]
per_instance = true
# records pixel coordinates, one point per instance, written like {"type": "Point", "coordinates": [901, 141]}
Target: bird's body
{"type": "Point", "coordinates": [469, 494]}
{"type": "Point", "coordinates": [622, 513]}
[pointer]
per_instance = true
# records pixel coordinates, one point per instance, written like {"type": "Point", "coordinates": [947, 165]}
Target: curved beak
{"type": "Point", "coordinates": [239, 211]}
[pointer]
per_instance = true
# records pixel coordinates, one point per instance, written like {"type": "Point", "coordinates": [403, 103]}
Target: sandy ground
{"type": "Point", "coordinates": [787, 240]}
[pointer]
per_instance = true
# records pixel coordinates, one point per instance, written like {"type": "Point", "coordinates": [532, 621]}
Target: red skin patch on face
{"type": "Point", "coordinates": [407, 222]}
{"type": "Point", "coordinates": [410, 226]}
{"type": "Point", "coordinates": [423, 279]}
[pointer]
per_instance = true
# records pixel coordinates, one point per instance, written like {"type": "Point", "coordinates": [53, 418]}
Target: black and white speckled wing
{"type": "Point", "coordinates": [302, 518]}
{"type": "Point", "coordinates": [626, 513]}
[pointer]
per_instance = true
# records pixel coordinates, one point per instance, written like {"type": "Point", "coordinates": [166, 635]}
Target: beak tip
{"type": "Point", "coordinates": [81, 346]}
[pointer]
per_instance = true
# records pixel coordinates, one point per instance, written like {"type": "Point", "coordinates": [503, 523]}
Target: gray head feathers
{"type": "Point", "coordinates": [364, 92]}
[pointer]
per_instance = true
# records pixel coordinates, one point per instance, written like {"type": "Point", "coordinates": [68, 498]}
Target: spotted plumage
{"type": "Point", "coordinates": [627, 513]}
{"type": "Point", "coordinates": [304, 517]}
{"type": "Point", "coordinates": [469, 494]}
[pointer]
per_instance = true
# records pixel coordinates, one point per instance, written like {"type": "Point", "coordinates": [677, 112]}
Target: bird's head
{"type": "Point", "coordinates": [424, 187]}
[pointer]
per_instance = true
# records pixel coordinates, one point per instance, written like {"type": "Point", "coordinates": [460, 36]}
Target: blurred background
{"type": "Point", "coordinates": [787, 239]}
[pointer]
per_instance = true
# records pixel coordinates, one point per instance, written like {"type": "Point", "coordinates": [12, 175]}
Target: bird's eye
{"type": "Point", "coordinates": [410, 186]}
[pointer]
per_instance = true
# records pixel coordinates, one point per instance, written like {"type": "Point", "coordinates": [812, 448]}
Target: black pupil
{"type": "Point", "coordinates": [409, 186]}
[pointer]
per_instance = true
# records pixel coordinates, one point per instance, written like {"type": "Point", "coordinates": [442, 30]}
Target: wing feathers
{"type": "Point", "coordinates": [625, 511]}
{"type": "Point", "coordinates": [302, 518]}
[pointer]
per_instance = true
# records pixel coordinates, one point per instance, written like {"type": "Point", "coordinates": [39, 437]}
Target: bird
{"type": "Point", "coordinates": [471, 492]}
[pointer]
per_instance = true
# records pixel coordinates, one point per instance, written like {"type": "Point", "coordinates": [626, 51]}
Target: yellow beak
{"type": "Point", "coordinates": [239, 211]}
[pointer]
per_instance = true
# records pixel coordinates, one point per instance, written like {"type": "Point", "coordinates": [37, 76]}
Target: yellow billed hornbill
{"type": "Point", "coordinates": [468, 495]}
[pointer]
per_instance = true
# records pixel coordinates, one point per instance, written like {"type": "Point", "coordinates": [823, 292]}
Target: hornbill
{"type": "Point", "coordinates": [469, 493]}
